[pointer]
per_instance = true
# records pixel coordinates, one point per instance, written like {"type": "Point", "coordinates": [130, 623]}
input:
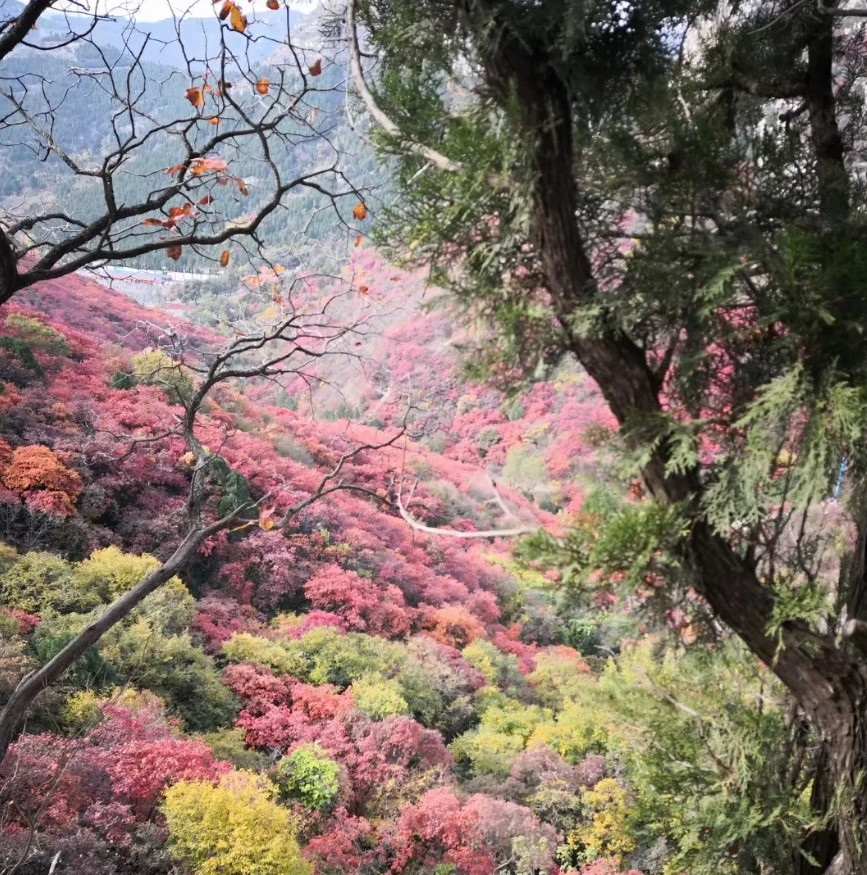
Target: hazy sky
{"type": "Point", "coordinates": [155, 10]}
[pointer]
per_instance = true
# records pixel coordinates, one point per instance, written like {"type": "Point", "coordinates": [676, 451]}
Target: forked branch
{"type": "Point", "coordinates": [289, 336]}
{"type": "Point", "coordinates": [515, 532]}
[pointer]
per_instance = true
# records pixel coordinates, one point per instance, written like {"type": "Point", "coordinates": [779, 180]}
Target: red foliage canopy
{"type": "Point", "coordinates": [44, 482]}
{"type": "Point", "coordinates": [360, 603]}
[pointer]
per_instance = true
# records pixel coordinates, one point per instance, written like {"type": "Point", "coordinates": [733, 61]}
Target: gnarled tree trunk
{"type": "Point", "coordinates": [8, 270]}
{"type": "Point", "coordinates": [828, 679]}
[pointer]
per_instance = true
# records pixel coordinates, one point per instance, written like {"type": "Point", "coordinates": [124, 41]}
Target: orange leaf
{"type": "Point", "coordinates": [174, 212]}
{"type": "Point", "coordinates": [224, 258]}
{"type": "Point", "coordinates": [225, 9]}
{"type": "Point", "coordinates": [273, 5]}
{"type": "Point", "coordinates": [359, 211]}
{"type": "Point", "coordinates": [358, 240]}
{"type": "Point", "coordinates": [153, 223]}
{"type": "Point", "coordinates": [199, 166]}
{"type": "Point", "coordinates": [195, 96]}
{"type": "Point", "coordinates": [237, 19]}
{"type": "Point", "coordinates": [206, 200]}
{"type": "Point", "coordinates": [266, 519]}
{"type": "Point", "coordinates": [364, 289]}
{"type": "Point", "coordinates": [174, 252]}
{"type": "Point", "coordinates": [689, 634]}
{"type": "Point", "coordinates": [214, 120]}
{"type": "Point", "coordinates": [176, 169]}
{"type": "Point", "coordinates": [262, 86]}
{"type": "Point", "coordinates": [316, 68]}
{"type": "Point", "coordinates": [242, 188]}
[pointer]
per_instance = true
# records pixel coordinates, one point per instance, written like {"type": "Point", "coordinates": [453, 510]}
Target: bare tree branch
{"type": "Point", "coordinates": [436, 158]}
{"type": "Point", "coordinates": [516, 532]}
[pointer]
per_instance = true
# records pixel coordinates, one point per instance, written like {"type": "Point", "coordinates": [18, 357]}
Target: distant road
{"type": "Point", "coordinates": [150, 288]}
{"type": "Point", "coordinates": [158, 277]}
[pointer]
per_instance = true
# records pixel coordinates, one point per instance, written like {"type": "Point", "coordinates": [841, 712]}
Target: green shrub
{"type": "Point", "coordinates": [245, 647]}
{"type": "Point", "coordinates": [309, 776]}
{"type": "Point", "coordinates": [487, 438]}
{"type": "Point", "coordinates": [35, 582]}
{"type": "Point", "coordinates": [120, 380]}
{"type": "Point", "coordinates": [21, 350]}
{"type": "Point", "coordinates": [37, 334]}
{"type": "Point", "coordinates": [229, 744]}
{"type": "Point", "coordinates": [524, 471]}
{"type": "Point", "coordinates": [155, 368]}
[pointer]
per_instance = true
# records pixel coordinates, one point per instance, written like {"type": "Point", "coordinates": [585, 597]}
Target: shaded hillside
{"type": "Point", "coordinates": [541, 437]}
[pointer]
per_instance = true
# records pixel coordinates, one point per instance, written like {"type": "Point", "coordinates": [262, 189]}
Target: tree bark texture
{"type": "Point", "coordinates": [8, 270]}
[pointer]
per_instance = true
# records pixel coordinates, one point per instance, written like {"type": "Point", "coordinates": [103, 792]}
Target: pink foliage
{"type": "Point", "coordinates": [541, 765]}
{"type": "Point", "coordinates": [322, 702]}
{"type": "Point", "coordinates": [108, 780]}
{"type": "Point", "coordinates": [316, 619]}
{"type": "Point", "coordinates": [606, 866]}
{"type": "Point", "coordinates": [26, 622]}
{"type": "Point", "coordinates": [500, 822]}
{"type": "Point", "coordinates": [140, 770]}
{"type": "Point", "coordinates": [439, 830]}
{"type": "Point", "coordinates": [219, 618]}
{"type": "Point", "coordinates": [388, 750]}
{"type": "Point", "coordinates": [360, 603]}
{"type": "Point", "coordinates": [346, 847]}
{"type": "Point", "coordinates": [351, 558]}
{"type": "Point", "coordinates": [257, 687]}
{"type": "Point", "coordinates": [374, 754]}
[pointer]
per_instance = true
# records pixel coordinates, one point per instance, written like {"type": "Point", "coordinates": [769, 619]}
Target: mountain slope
{"type": "Point", "coordinates": [348, 639]}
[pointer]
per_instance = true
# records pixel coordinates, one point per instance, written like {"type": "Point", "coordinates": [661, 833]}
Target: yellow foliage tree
{"type": "Point", "coordinates": [154, 368]}
{"type": "Point", "coordinates": [577, 730]}
{"type": "Point", "coordinates": [111, 573]}
{"type": "Point", "coordinates": [244, 647]}
{"type": "Point", "coordinates": [605, 831]}
{"type": "Point", "coordinates": [378, 698]}
{"type": "Point", "coordinates": [233, 828]}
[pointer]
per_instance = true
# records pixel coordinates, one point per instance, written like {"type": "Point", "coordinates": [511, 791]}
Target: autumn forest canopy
{"type": "Point", "coordinates": [433, 438]}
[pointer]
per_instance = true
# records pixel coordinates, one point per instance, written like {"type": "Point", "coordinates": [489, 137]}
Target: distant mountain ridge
{"type": "Point", "coordinates": [197, 34]}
